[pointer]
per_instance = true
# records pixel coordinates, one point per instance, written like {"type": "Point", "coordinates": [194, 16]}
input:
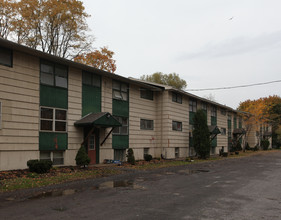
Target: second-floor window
{"type": "Point", "coordinates": [6, 57]}
{"type": "Point", "coordinates": [192, 105]}
{"type": "Point", "coordinates": [146, 94]}
{"type": "Point", "coordinates": [91, 79]}
{"type": "Point", "coordinates": [120, 91]}
{"type": "Point", "coordinates": [53, 119]}
{"type": "Point", "coordinates": [177, 97]}
{"type": "Point", "coordinates": [53, 74]}
{"type": "Point", "coordinates": [214, 111]}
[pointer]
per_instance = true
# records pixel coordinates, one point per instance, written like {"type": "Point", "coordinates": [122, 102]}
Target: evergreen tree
{"type": "Point", "coordinates": [201, 135]}
{"type": "Point", "coordinates": [82, 158]}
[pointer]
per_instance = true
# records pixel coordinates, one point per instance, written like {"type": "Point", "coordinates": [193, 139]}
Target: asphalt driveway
{"type": "Point", "coordinates": [240, 188]}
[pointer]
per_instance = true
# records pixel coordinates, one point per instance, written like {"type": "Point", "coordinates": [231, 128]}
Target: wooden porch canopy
{"type": "Point", "coordinates": [98, 120]}
{"type": "Point", "coordinates": [214, 131]}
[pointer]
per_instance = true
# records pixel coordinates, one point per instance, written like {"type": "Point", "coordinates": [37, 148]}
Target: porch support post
{"type": "Point", "coordinates": [89, 134]}
{"type": "Point", "coordinates": [107, 136]}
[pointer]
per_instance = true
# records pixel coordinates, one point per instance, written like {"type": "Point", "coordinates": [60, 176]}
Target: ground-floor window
{"type": "Point", "coordinates": [145, 152]}
{"type": "Point", "coordinates": [177, 152]}
{"type": "Point", "coordinates": [57, 157]}
{"type": "Point", "coordinates": [119, 155]}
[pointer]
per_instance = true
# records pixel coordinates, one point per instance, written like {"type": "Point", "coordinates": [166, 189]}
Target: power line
{"type": "Point", "coordinates": [235, 87]}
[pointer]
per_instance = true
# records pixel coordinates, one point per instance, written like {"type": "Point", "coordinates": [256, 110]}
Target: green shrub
{"type": "Point", "coordinates": [39, 166]}
{"type": "Point", "coordinates": [238, 146]}
{"type": "Point", "coordinates": [201, 135]}
{"type": "Point", "coordinates": [265, 144]}
{"type": "Point", "coordinates": [131, 157]}
{"type": "Point", "coordinates": [82, 158]}
{"type": "Point", "coordinates": [247, 146]}
{"type": "Point", "coordinates": [147, 157]}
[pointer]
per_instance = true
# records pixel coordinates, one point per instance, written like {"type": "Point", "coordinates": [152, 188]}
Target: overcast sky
{"type": "Point", "coordinates": [209, 43]}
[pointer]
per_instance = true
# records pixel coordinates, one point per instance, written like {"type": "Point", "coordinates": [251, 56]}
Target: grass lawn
{"type": "Point", "coordinates": [23, 179]}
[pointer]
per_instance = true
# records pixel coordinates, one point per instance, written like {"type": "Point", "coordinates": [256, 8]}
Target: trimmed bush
{"type": "Point", "coordinates": [39, 166]}
{"type": "Point", "coordinates": [147, 157]}
{"type": "Point", "coordinates": [82, 158]}
{"type": "Point", "coordinates": [265, 144]}
{"type": "Point", "coordinates": [131, 157]}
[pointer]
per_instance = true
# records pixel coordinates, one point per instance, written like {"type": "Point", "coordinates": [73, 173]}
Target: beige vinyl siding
{"type": "Point", "coordinates": [176, 112]}
{"type": "Point", "coordinates": [19, 94]}
{"type": "Point", "coordinates": [106, 151]}
{"type": "Point", "coordinates": [141, 108]}
{"type": "Point", "coordinates": [75, 135]}
{"type": "Point", "coordinates": [221, 123]}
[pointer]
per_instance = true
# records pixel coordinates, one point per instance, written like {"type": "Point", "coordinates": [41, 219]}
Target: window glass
{"type": "Point", "coordinates": [60, 126]}
{"type": "Point", "coordinates": [146, 124]}
{"type": "Point", "coordinates": [86, 78]}
{"type": "Point", "coordinates": [61, 82]}
{"type": "Point", "coordinates": [146, 94]}
{"type": "Point", "coordinates": [53, 119]}
{"type": "Point", "coordinates": [61, 71]}
{"type": "Point", "coordinates": [124, 87]}
{"type": "Point", "coordinates": [177, 126]}
{"type": "Point", "coordinates": [60, 114]}
{"type": "Point", "coordinates": [124, 96]}
{"type": "Point", "coordinates": [46, 125]}
{"type": "Point", "coordinates": [47, 78]}
{"type": "Point", "coordinates": [45, 155]}
{"type": "Point", "coordinates": [53, 74]}
{"type": "Point", "coordinates": [192, 106]}
{"type": "Point", "coordinates": [117, 94]}
{"type": "Point", "coordinates": [176, 97]}
{"type": "Point", "coordinates": [58, 158]}
{"type": "Point", "coordinates": [96, 80]}
{"type": "Point", "coordinates": [124, 128]}
{"type": "Point", "coordinates": [47, 67]}
{"type": "Point", "coordinates": [92, 142]}
{"type": "Point", "coordinates": [6, 57]}
{"type": "Point", "coordinates": [47, 113]}
{"type": "Point", "coordinates": [116, 85]}
{"type": "Point", "coordinates": [120, 91]}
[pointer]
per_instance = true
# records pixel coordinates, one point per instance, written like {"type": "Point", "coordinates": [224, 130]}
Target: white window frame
{"type": "Point", "coordinates": [53, 120]}
{"type": "Point", "coordinates": [51, 156]}
{"type": "Point", "coordinates": [117, 130]}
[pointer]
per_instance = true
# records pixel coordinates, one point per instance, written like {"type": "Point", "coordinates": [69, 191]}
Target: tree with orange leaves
{"type": "Point", "coordinates": [262, 111]}
{"type": "Point", "coordinates": [101, 59]}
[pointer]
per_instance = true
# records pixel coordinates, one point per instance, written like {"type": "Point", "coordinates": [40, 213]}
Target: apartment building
{"type": "Point", "coordinates": [50, 106]}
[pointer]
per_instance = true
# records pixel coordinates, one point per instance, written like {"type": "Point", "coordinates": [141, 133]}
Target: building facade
{"type": "Point", "coordinates": [50, 106]}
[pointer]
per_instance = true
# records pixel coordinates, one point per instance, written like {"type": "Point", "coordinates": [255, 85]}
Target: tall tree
{"type": "Point", "coordinates": [101, 59]}
{"type": "Point", "coordinates": [7, 14]}
{"type": "Point", "coordinates": [53, 26]}
{"type": "Point", "coordinates": [171, 79]}
{"type": "Point", "coordinates": [260, 111]}
{"type": "Point", "coordinates": [201, 135]}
